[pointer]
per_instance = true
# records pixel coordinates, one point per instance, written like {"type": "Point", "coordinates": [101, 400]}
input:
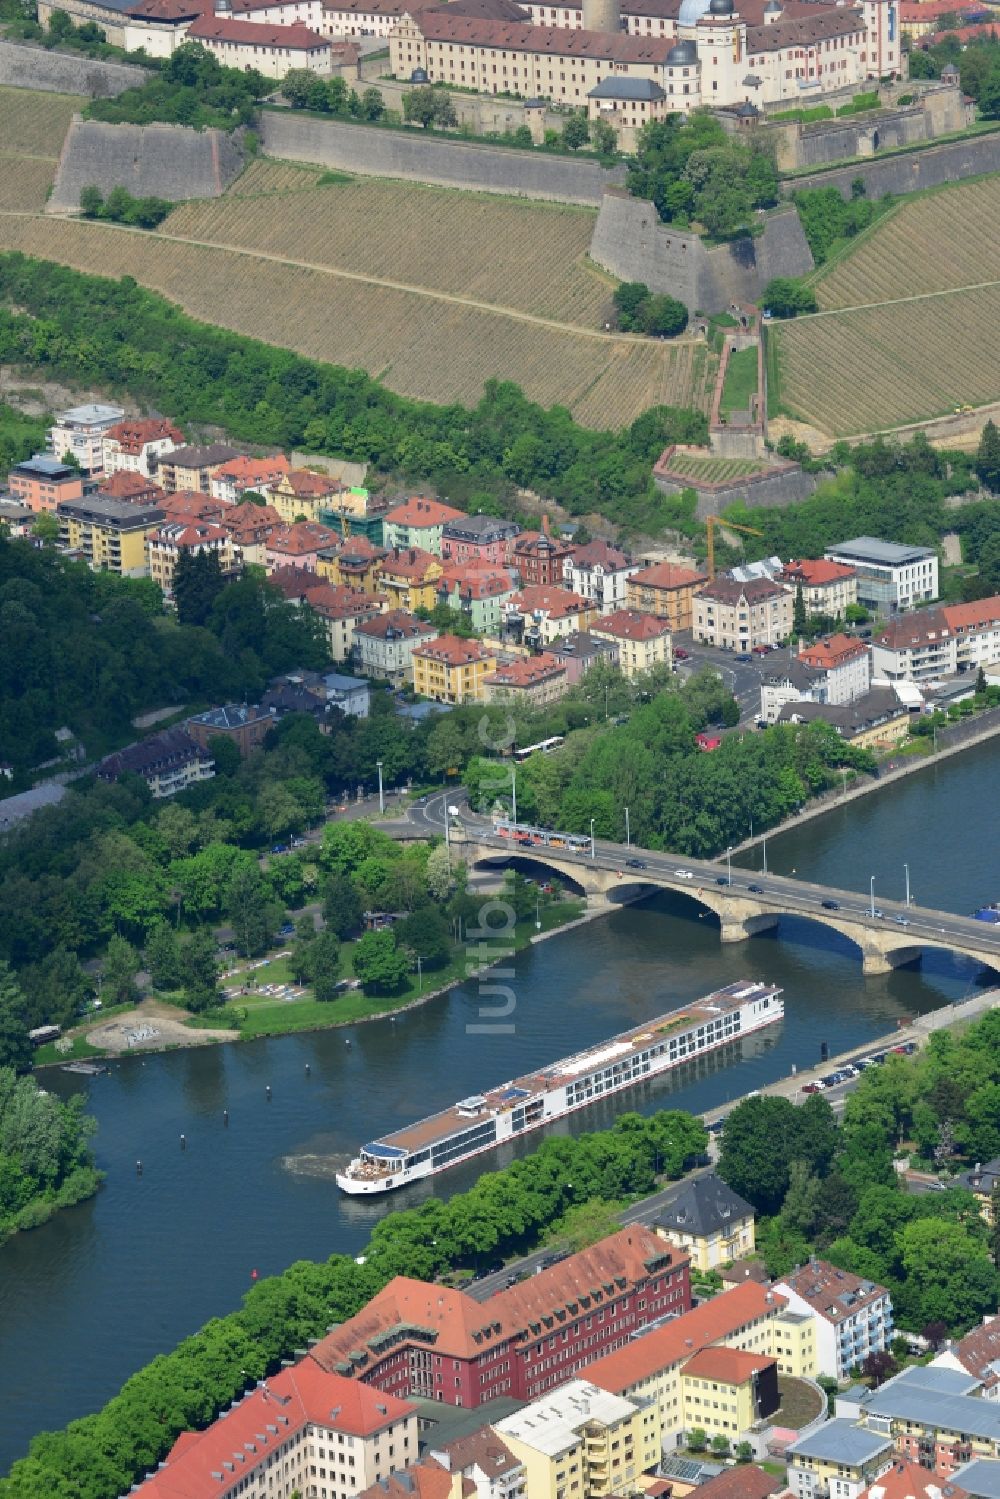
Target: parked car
{"type": "Point", "coordinates": [813, 1088]}
{"type": "Point", "coordinates": [279, 848]}
{"type": "Point", "coordinates": [745, 657]}
{"type": "Point", "coordinates": [761, 650]}
{"type": "Point", "coordinates": [680, 654]}
{"type": "Point", "coordinates": [286, 929]}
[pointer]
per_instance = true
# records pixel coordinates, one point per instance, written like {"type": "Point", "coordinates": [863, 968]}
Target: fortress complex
{"type": "Point", "coordinates": [653, 58]}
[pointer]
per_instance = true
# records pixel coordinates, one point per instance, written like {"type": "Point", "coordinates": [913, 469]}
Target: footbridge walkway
{"type": "Point", "coordinates": [745, 902]}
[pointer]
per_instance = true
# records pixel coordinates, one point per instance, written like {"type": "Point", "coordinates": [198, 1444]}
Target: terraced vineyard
{"type": "Point", "coordinates": [35, 124]}
{"type": "Point", "coordinates": [875, 368]}
{"type": "Point", "coordinates": [711, 470]}
{"type": "Point", "coordinates": [500, 251]}
{"type": "Point", "coordinates": [933, 243]}
{"type": "Point", "coordinates": [418, 343]}
{"type": "Point", "coordinates": [25, 181]}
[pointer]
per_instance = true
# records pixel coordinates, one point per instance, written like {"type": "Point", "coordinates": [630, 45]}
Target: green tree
{"type": "Point", "coordinates": [372, 105]}
{"type": "Point", "coordinates": [576, 131]}
{"type": "Point", "coordinates": [324, 966]}
{"type": "Point", "coordinates": [197, 584]}
{"type": "Point", "coordinates": [603, 138]}
{"type": "Point", "coordinates": [799, 612]}
{"type": "Point", "coordinates": [425, 934]}
{"type": "Point", "coordinates": [663, 317]}
{"type": "Point", "coordinates": [91, 201]}
{"type": "Point", "coordinates": [163, 958]}
{"type": "Point", "coordinates": [379, 964]}
{"type": "Point", "coordinates": [46, 528]}
{"type": "Point", "coordinates": [720, 1446]}
{"type": "Point", "coordinates": [250, 909]}
{"type": "Point", "coordinates": [987, 463]}
{"type": "Point", "coordinates": [341, 906]}
{"type": "Point", "coordinates": [697, 1439]}
{"type": "Point", "coordinates": [15, 1048]}
{"type": "Point", "coordinates": [948, 1275]}
{"type": "Point", "coordinates": [784, 297]}
{"type": "Point", "coordinates": [201, 972]}
{"type": "Point", "coordinates": [629, 299]}
{"type": "Point", "coordinates": [121, 964]}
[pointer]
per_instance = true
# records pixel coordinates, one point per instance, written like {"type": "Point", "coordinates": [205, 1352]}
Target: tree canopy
{"type": "Point", "coordinates": [695, 173]}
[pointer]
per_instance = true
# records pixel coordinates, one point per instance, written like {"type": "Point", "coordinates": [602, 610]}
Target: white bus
{"type": "Point", "coordinates": [543, 747]}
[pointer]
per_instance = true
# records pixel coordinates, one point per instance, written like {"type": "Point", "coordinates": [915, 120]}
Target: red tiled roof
{"type": "Point", "coordinates": [727, 1365]}
{"type": "Point", "coordinates": [979, 1351]}
{"type": "Point", "coordinates": [631, 624]}
{"type": "Point", "coordinates": [823, 1287]}
{"type": "Point", "coordinates": [474, 580]}
{"type": "Point", "coordinates": [667, 575]}
{"type": "Point", "coordinates": [931, 10]}
{"type": "Point", "coordinates": [420, 511]}
{"type": "Point", "coordinates": [300, 537]}
{"type": "Point", "coordinates": [812, 572]}
{"type": "Point", "coordinates": [833, 651]}
{"type": "Point", "coordinates": [297, 38]}
{"type": "Point", "coordinates": [132, 436]}
{"type": "Point", "coordinates": [676, 1341]}
{"type": "Point", "coordinates": [452, 650]}
{"type": "Point", "coordinates": [188, 504]}
{"type": "Point", "coordinates": [396, 620]}
{"type": "Point", "coordinates": [962, 34]}
{"type": "Point", "coordinates": [249, 522]}
{"type": "Point", "coordinates": [131, 487]}
{"type": "Point", "coordinates": [343, 603]}
{"type": "Point", "coordinates": [439, 26]}
{"type": "Point", "coordinates": [919, 628]}
{"type": "Point", "coordinates": [555, 602]}
{"type": "Point", "coordinates": [744, 1482]}
{"type": "Point", "coordinates": [598, 554]}
{"type": "Point", "coordinates": [527, 671]}
{"type": "Point", "coordinates": [426, 1479]}
{"type": "Point", "coordinates": [906, 1480]}
{"type": "Point", "coordinates": [460, 1327]}
{"type": "Point", "coordinates": [977, 615]}
{"type": "Point", "coordinates": [729, 591]}
{"type": "Point", "coordinates": [251, 1432]}
{"type": "Point", "coordinates": [302, 481]}
{"type": "Point", "coordinates": [195, 534]}
{"type": "Point", "coordinates": [411, 563]}
{"type": "Point", "coordinates": [249, 471]}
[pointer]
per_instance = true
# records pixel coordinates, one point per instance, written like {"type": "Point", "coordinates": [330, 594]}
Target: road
{"type": "Point", "coordinates": [741, 677]}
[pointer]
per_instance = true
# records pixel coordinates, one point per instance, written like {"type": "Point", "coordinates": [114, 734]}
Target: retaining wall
{"type": "Point", "coordinates": [447, 163]}
{"type": "Point", "coordinates": [23, 66]}
{"type": "Point", "coordinates": [940, 110]}
{"type": "Point", "coordinates": [631, 243]}
{"type": "Point", "coordinates": [780, 485]}
{"type": "Point", "coordinates": [162, 161]}
{"type": "Point", "coordinates": [934, 166]}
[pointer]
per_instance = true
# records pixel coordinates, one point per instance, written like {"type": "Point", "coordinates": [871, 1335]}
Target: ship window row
{"type": "Point", "coordinates": [469, 1139]}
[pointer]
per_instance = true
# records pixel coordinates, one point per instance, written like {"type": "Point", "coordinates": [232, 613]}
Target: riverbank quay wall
{"type": "Point", "coordinates": [375, 152]}
{"type": "Point", "coordinates": [159, 161]}
{"type": "Point", "coordinates": [630, 241]}
{"type": "Point", "coordinates": [24, 66]}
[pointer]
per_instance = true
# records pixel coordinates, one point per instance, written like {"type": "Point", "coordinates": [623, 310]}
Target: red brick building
{"type": "Point", "coordinates": [538, 558]}
{"type": "Point", "coordinates": [435, 1342]}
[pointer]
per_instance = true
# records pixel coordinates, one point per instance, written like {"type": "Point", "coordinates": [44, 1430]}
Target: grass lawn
{"type": "Point", "coordinates": [741, 381]}
{"type": "Point", "coordinates": [263, 1015]}
{"type": "Point", "coordinates": [81, 1049]}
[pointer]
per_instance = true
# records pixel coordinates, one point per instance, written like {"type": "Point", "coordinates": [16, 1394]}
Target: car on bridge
{"type": "Point", "coordinates": [684, 874]}
{"type": "Point", "coordinates": [831, 905]}
{"type": "Point", "coordinates": [635, 864]}
{"type": "Point", "coordinates": [756, 889]}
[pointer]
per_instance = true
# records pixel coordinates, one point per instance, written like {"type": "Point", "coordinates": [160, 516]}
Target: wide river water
{"type": "Point", "coordinates": [94, 1294]}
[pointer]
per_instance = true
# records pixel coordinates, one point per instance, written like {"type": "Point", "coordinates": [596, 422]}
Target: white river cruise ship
{"type": "Point", "coordinates": [486, 1120]}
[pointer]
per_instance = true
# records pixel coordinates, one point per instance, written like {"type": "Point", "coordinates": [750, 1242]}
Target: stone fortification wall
{"type": "Point", "coordinates": [940, 110]}
{"type": "Point", "coordinates": [912, 170]}
{"type": "Point", "coordinates": [161, 161]}
{"type": "Point", "coordinates": [22, 66]}
{"type": "Point", "coordinates": [778, 486]}
{"type": "Point", "coordinates": [480, 112]}
{"type": "Point", "coordinates": [631, 243]}
{"type": "Point", "coordinates": [449, 163]}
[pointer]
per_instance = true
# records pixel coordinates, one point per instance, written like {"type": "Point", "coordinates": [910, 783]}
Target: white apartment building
{"type": "Point", "coordinates": [845, 664]}
{"type": "Point", "coordinates": [853, 1316]}
{"type": "Point", "coordinates": [598, 572]}
{"type": "Point", "coordinates": [837, 1461]}
{"type": "Point", "coordinates": [272, 50]}
{"type": "Point", "coordinates": [939, 642]}
{"type": "Point", "coordinates": [891, 578]}
{"type": "Point", "coordinates": [827, 587]}
{"type": "Point", "coordinates": [385, 645]}
{"type": "Point", "coordinates": [135, 447]}
{"type": "Point", "coordinates": [79, 433]}
{"type": "Point", "coordinates": [740, 615]}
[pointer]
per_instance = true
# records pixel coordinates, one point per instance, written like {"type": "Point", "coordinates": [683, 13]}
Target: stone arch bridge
{"type": "Point", "coordinates": [748, 903]}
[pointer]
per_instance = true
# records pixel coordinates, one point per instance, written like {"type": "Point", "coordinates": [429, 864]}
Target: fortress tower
{"type": "Point", "coordinates": [602, 15]}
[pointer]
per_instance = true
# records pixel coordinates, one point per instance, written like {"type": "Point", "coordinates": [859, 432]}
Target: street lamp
{"type": "Point", "coordinates": [628, 831]}
{"type": "Point", "coordinates": [593, 852]}
{"type": "Point", "coordinates": [873, 899]}
{"type": "Point", "coordinates": [420, 974]}
{"type": "Point", "coordinates": [729, 862]}
{"type": "Point", "coordinates": [906, 871]}
{"type": "Point", "coordinates": [763, 844]}
{"type": "Point", "coordinates": [538, 913]}
{"type": "Point", "coordinates": [513, 791]}
{"type": "Point", "coordinates": [381, 794]}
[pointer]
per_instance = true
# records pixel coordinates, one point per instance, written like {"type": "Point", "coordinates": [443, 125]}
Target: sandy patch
{"type": "Point", "coordinates": [152, 1028]}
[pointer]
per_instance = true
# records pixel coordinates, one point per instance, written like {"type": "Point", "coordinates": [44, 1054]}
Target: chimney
{"type": "Point", "coordinates": [545, 526]}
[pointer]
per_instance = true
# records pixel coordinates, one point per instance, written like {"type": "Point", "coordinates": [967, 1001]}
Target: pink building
{"type": "Point", "coordinates": [479, 538]}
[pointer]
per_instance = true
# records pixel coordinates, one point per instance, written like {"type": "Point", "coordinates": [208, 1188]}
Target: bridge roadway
{"type": "Point", "coordinates": [749, 902]}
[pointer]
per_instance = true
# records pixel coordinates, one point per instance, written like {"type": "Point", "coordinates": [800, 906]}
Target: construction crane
{"type": "Point", "coordinates": [728, 525]}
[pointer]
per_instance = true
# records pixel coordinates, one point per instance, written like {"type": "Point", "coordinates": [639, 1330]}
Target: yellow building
{"type": "Point", "coordinates": [408, 578]}
{"type": "Point", "coordinates": [643, 640]}
{"type": "Point", "coordinates": [838, 1459]}
{"type": "Point", "coordinates": [111, 534]}
{"type": "Point", "coordinates": [301, 493]}
{"type": "Point", "coordinates": [452, 670]}
{"type": "Point", "coordinates": [356, 563]}
{"type": "Point", "coordinates": [876, 721]}
{"type": "Point", "coordinates": [749, 1317]}
{"type": "Point", "coordinates": [665, 590]}
{"type": "Point", "coordinates": [710, 1221]}
{"type": "Point", "coordinates": [725, 1392]}
{"type": "Point", "coordinates": [582, 1441]}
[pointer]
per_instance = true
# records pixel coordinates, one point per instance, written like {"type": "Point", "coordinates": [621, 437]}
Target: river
{"type": "Point", "coordinates": [94, 1294]}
